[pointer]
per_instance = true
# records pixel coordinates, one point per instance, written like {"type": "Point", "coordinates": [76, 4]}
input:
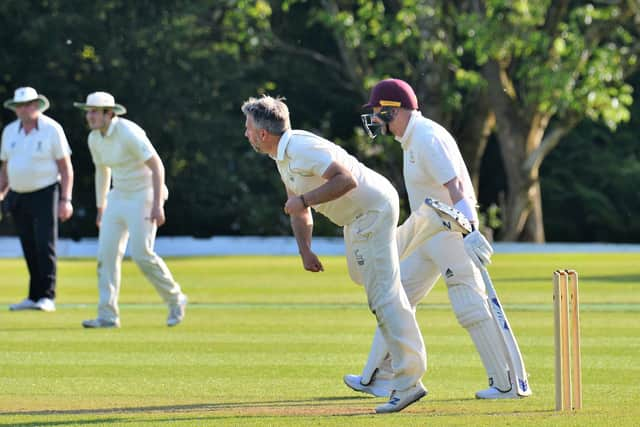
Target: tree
{"type": "Point", "coordinates": [590, 183]}
{"type": "Point", "coordinates": [547, 66]}
{"type": "Point", "coordinates": [526, 71]}
{"type": "Point", "coordinates": [182, 68]}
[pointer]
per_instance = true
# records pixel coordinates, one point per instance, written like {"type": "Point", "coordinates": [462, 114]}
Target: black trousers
{"type": "Point", "coordinates": [35, 215]}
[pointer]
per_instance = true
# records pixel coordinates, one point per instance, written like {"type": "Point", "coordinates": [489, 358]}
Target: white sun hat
{"type": "Point", "coordinates": [101, 100]}
{"type": "Point", "coordinates": [26, 94]}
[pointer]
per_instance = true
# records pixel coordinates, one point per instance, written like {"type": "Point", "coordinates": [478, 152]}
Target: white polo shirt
{"type": "Point", "coordinates": [431, 159]}
{"type": "Point", "coordinates": [303, 157]}
{"type": "Point", "coordinates": [31, 159]}
{"type": "Point", "coordinates": [124, 149]}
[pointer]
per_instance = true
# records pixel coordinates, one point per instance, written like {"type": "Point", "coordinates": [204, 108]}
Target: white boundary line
{"type": "Point", "coordinates": [255, 245]}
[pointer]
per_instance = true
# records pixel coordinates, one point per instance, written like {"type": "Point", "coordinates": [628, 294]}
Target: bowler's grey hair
{"type": "Point", "coordinates": [268, 113]}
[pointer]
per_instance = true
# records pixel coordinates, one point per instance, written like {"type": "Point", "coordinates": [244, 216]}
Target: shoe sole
{"type": "Point", "coordinates": [367, 390]}
{"type": "Point", "coordinates": [100, 326]}
{"type": "Point", "coordinates": [503, 397]}
{"type": "Point", "coordinates": [400, 408]}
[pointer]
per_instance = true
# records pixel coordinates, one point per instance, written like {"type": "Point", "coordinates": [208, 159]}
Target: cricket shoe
{"type": "Point", "coordinates": [494, 393]}
{"type": "Point", "coordinates": [378, 388]}
{"type": "Point", "coordinates": [177, 311]}
{"type": "Point", "coordinates": [401, 399]}
{"type": "Point", "coordinates": [100, 323]}
{"type": "Point", "coordinates": [25, 304]}
{"type": "Point", "coordinates": [45, 304]}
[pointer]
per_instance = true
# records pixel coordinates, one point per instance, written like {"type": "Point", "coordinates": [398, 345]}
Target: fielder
{"type": "Point", "coordinates": [433, 166]}
{"type": "Point", "coordinates": [133, 208]}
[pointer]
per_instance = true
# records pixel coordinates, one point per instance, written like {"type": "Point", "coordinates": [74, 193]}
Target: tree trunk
{"type": "Point", "coordinates": [519, 134]}
{"type": "Point", "coordinates": [472, 134]}
{"type": "Point", "coordinates": [534, 227]}
{"type": "Point", "coordinates": [522, 212]}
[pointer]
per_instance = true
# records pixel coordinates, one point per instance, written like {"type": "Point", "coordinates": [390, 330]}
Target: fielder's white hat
{"type": "Point", "coordinates": [101, 100]}
{"type": "Point", "coordinates": [26, 94]}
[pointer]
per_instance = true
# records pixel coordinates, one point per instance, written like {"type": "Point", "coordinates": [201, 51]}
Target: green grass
{"type": "Point", "coordinates": [265, 343]}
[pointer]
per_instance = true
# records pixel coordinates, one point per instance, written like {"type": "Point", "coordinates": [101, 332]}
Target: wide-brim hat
{"type": "Point", "coordinates": [26, 94]}
{"type": "Point", "coordinates": [101, 100]}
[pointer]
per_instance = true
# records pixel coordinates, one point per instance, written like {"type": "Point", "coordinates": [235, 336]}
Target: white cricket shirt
{"type": "Point", "coordinates": [431, 159]}
{"type": "Point", "coordinates": [303, 157]}
{"type": "Point", "coordinates": [124, 149]}
{"type": "Point", "coordinates": [31, 159]}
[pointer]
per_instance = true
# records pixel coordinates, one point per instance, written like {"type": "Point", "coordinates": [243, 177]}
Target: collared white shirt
{"type": "Point", "coordinates": [31, 158]}
{"type": "Point", "coordinates": [302, 158]}
{"type": "Point", "coordinates": [124, 149]}
{"type": "Point", "coordinates": [431, 159]}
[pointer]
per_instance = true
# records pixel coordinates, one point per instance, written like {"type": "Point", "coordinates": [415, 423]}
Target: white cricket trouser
{"type": "Point", "coordinates": [126, 218]}
{"type": "Point", "coordinates": [444, 255]}
{"type": "Point", "coordinates": [372, 256]}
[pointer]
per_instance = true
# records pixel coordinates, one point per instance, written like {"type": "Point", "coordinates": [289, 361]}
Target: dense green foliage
{"type": "Point", "coordinates": [183, 68]}
{"type": "Point", "coordinates": [590, 185]}
{"type": "Point", "coordinates": [265, 343]}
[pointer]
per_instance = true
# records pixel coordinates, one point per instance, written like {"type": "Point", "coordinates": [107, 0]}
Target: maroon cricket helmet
{"type": "Point", "coordinates": [393, 93]}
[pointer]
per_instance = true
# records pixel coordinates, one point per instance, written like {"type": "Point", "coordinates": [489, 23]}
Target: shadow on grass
{"type": "Point", "coordinates": [325, 406]}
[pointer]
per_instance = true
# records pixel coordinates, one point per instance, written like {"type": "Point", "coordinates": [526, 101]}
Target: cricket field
{"type": "Point", "coordinates": [265, 343]}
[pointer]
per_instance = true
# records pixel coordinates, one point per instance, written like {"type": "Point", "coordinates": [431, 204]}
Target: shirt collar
{"type": "Point", "coordinates": [112, 125]}
{"type": "Point", "coordinates": [37, 127]}
{"type": "Point", "coordinates": [405, 139]}
{"type": "Point", "coordinates": [282, 145]}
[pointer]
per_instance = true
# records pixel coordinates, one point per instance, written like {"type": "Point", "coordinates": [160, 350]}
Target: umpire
{"type": "Point", "coordinates": [36, 177]}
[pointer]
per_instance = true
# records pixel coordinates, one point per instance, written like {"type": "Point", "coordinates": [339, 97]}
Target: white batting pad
{"type": "Point", "coordinates": [451, 217]}
{"type": "Point", "coordinates": [422, 224]}
{"type": "Point", "coordinates": [473, 313]}
{"type": "Point", "coordinates": [488, 343]}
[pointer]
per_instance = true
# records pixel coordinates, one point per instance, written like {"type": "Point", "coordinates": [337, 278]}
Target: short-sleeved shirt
{"type": "Point", "coordinates": [124, 149]}
{"type": "Point", "coordinates": [31, 158]}
{"type": "Point", "coordinates": [302, 158]}
{"type": "Point", "coordinates": [431, 159]}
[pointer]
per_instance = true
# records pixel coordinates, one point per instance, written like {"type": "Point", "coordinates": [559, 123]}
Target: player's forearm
{"type": "Point", "coordinates": [65, 169]}
{"type": "Point", "coordinates": [333, 189]}
{"type": "Point", "coordinates": [4, 180]}
{"type": "Point", "coordinates": [465, 203]}
{"type": "Point", "coordinates": [157, 179]}
{"type": "Point", "coordinates": [302, 226]}
{"type": "Point", "coordinates": [102, 184]}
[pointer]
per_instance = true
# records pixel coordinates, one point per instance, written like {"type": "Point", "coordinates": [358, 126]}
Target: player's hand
{"type": "Point", "coordinates": [294, 206]}
{"type": "Point", "coordinates": [157, 215]}
{"type": "Point", "coordinates": [65, 210]}
{"type": "Point", "coordinates": [478, 249]}
{"type": "Point", "coordinates": [99, 217]}
{"type": "Point", "coordinates": [311, 262]}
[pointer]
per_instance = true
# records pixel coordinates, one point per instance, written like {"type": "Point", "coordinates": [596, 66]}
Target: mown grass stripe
{"type": "Point", "coordinates": [603, 307]}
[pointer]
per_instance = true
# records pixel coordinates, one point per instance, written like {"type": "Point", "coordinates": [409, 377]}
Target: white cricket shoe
{"type": "Point", "coordinates": [401, 399]}
{"type": "Point", "coordinates": [177, 311]}
{"type": "Point", "coordinates": [25, 304]}
{"type": "Point", "coordinates": [100, 323]}
{"type": "Point", "coordinates": [494, 393]}
{"type": "Point", "coordinates": [378, 388]}
{"type": "Point", "coordinates": [45, 304]}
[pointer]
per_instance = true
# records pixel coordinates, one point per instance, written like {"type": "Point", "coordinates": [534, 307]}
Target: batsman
{"type": "Point", "coordinates": [433, 167]}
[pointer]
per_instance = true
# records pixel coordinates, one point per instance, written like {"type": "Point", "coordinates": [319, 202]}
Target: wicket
{"type": "Point", "coordinates": [567, 369]}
